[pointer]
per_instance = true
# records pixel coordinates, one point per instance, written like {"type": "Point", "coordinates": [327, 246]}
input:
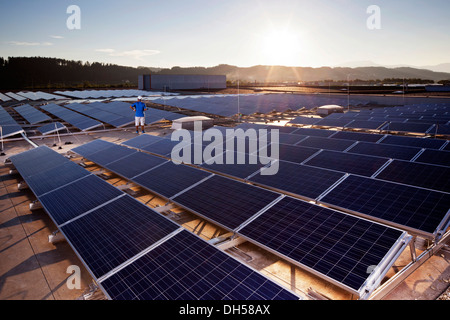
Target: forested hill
{"type": "Point", "coordinates": [37, 73]}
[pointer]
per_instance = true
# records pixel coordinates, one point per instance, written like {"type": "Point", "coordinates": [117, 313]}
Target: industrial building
{"type": "Point", "coordinates": [169, 82]}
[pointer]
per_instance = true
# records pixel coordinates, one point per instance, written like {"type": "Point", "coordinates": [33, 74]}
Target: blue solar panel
{"type": "Point", "coordinates": [92, 147]}
{"type": "Point", "coordinates": [326, 143]}
{"type": "Point", "coordinates": [348, 163]}
{"type": "Point", "coordinates": [134, 164]}
{"type": "Point", "coordinates": [116, 232]}
{"type": "Point", "coordinates": [435, 157]}
{"type": "Point", "coordinates": [110, 154]}
{"type": "Point", "coordinates": [417, 174]}
{"type": "Point", "coordinates": [142, 141]}
{"type": "Point", "coordinates": [31, 114]}
{"type": "Point", "coordinates": [185, 267]}
{"type": "Point", "coordinates": [358, 136]}
{"type": "Point", "coordinates": [385, 150]}
{"type": "Point", "coordinates": [365, 124]}
{"type": "Point", "coordinates": [418, 209]}
{"type": "Point", "coordinates": [299, 179]}
{"type": "Point", "coordinates": [296, 154]}
{"type": "Point", "coordinates": [314, 132]}
{"type": "Point", "coordinates": [414, 142]}
{"type": "Point", "coordinates": [51, 128]}
{"type": "Point", "coordinates": [170, 179]}
{"type": "Point", "coordinates": [407, 127]}
{"type": "Point", "coordinates": [334, 244]}
{"type": "Point", "coordinates": [76, 198]}
{"type": "Point", "coordinates": [224, 201]}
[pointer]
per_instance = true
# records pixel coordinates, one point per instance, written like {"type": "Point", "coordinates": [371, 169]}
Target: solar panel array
{"type": "Point", "coordinates": [95, 94]}
{"type": "Point", "coordinates": [39, 95]}
{"type": "Point", "coordinates": [31, 114]}
{"type": "Point", "coordinates": [77, 120]}
{"type": "Point", "coordinates": [4, 98]}
{"type": "Point", "coordinates": [419, 119]}
{"type": "Point", "coordinates": [51, 128]}
{"type": "Point", "coordinates": [9, 126]}
{"type": "Point", "coordinates": [229, 105]}
{"type": "Point", "coordinates": [107, 117]}
{"type": "Point", "coordinates": [132, 251]}
{"type": "Point", "coordinates": [234, 205]}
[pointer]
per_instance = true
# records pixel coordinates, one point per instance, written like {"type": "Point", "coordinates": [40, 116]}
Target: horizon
{"type": "Point", "coordinates": [164, 34]}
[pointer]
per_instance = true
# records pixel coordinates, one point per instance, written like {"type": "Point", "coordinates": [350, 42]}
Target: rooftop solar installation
{"type": "Point", "coordinates": [435, 157]}
{"type": "Point", "coordinates": [110, 118]}
{"type": "Point", "coordinates": [31, 114]}
{"type": "Point", "coordinates": [326, 143]}
{"type": "Point", "coordinates": [170, 179]}
{"type": "Point", "coordinates": [331, 244]}
{"type": "Point", "coordinates": [186, 267]}
{"type": "Point", "coordinates": [365, 124]}
{"type": "Point", "coordinates": [116, 232]}
{"type": "Point", "coordinates": [414, 142]}
{"type": "Point", "coordinates": [51, 128]}
{"type": "Point", "coordinates": [15, 96]}
{"type": "Point", "coordinates": [419, 210]}
{"type": "Point", "coordinates": [4, 98]}
{"type": "Point", "coordinates": [346, 162]}
{"type": "Point", "coordinates": [417, 174]}
{"type": "Point", "coordinates": [385, 150]}
{"type": "Point", "coordinates": [297, 179]}
{"type": "Point", "coordinates": [225, 201]}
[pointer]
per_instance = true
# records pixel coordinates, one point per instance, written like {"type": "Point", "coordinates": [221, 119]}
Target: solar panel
{"type": "Point", "coordinates": [326, 143]}
{"type": "Point", "coordinates": [358, 136]}
{"type": "Point", "coordinates": [224, 201]}
{"type": "Point", "coordinates": [365, 124]}
{"type": "Point", "coordinates": [37, 160]}
{"type": "Point", "coordinates": [296, 154]}
{"type": "Point", "coordinates": [348, 163]}
{"type": "Point", "coordinates": [314, 132]}
{"type": "Point", "coordinates": [51, 128]}
{"type": "Point", "coordinates": [8, 126]}
{"type": "Point", "coordinates": [92, 147]}
{"type": "Point", "coordinates": [48, 180]}
{"type": "Point", "coordinates": [77, 198]}
{"type": "Point", "coordinates": [333, 122]}
{"type": "Point", "coordinates": [332, 244]}
{"type": "Point", "coordinates": [142, 140]}
{"type": "Point", "coordinates": [170, 179]}
{"type": "Point", "coordinates": [417, 209]}
{"type": "Point", "coordinates": [75, 119]}
{"type": "Point", "coordinates": [417, 174]}
{"type": "Point", "coordinates": [134, 164]}
{"type": "Point", "coordinates": [241, 171]}
{"type": "Point", "coordinates": [408, 127]}
{"type": "Point", "coordinates": [385, 150]}
{"type": "Point", "coordinates": [109, 155]}
{"type": "Point", "coordinates": [435, 157]}
{"type": "Point", "coordinates": [442, 130]}
{"type": "Point", "coordinates": [162, 148]}
{"type": "Point", "coordinates": [414, 142]}
{"type": "Point", "coordinates": [31, 114]}
{"type": "Point", "coordinates": [116, 232]}
{"type": "Point", "coordinates": [185, 267]}
{"type": "Point", "coordinates": [304, 120]}
{"type": "Point", "coordinates": [299, 179]}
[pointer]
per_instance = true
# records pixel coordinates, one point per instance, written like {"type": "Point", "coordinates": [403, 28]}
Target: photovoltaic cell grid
{"type": "Point", "coordinates": [336, 245]}
{"type": "Point", "coordinates": [185, 267]}
{"type": "Point", "coordinates": [415, 208]}
{"type": "Point", "coordinates": [51, 128]}
{"type": "Point", "coordinates": [110, 118]}
{"type": "Point", "coordinates": [226, 202]}
{"type": "Point", "coordinates": [417, 174]}
{"type": "Point", "coordinates": [109, 229]}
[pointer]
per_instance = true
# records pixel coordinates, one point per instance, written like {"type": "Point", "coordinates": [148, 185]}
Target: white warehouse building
{"type": "Point", "coordinates": [181, 82]}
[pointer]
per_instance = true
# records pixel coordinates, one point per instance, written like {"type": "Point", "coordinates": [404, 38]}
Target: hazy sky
{"type": "Point", "coordinates": [244, 33]}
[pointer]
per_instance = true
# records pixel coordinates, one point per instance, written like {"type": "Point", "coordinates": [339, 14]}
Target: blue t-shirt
{"type": "Point", "coordinates": [140, 107]}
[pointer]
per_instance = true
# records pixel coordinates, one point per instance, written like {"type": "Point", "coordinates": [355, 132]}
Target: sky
{"type": "Point", "coordinates": [244, 33]}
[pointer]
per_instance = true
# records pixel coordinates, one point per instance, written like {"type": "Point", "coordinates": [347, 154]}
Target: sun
{"type": "Point", "coordinates": [281, 47]}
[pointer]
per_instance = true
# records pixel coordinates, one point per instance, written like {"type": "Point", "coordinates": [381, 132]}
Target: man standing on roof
{"type": "Point", "coordinates": [139, 107]}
